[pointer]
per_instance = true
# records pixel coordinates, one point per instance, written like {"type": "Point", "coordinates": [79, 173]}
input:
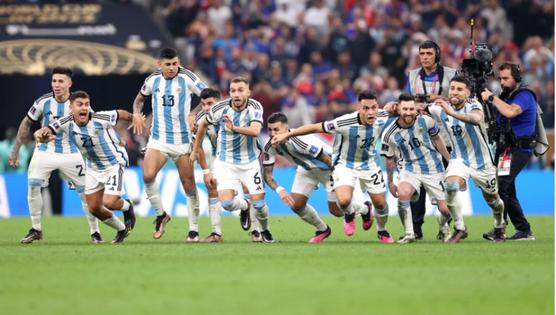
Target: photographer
{"type": "Point", "coordinates": [428, 83]}
{"type": "Point", "coordinates": [516, 106]}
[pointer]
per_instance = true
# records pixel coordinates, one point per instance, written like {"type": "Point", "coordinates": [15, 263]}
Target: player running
{"type": "Point", "coordinates": [415, 139]}
{"type": "Point", "coordinates": [60, 154]}
{"type": "Point", "coordinates": [356, 160]}
{"type": "Point", "coordinates": [170, 88]}
{"type": "Point", "coordinates": [314, 165]}
{"type": "Point", "coordinates": [239, 122]}
{"type": "Point", "coordinates": [98, 142]}
{"type": "Point", "coordinates": [470, 156]}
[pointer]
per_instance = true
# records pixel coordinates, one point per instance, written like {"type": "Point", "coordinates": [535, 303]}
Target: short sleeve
{"type": "Point", "coordinates": [269, 153]}
{"type": "Point", "coordinates": [194, 84]}
{"type": "Point", "coordinates": [256, 114]}
{"type": "Point", "coordinates": [524, 100]}
{"type": "Point", "coordinates": [146, 89]}
{"type": "Point", "coordinates": [435, 111]}
{"type": "Point", "coordinates": [387, 149]}
{"type": "Point", "coordinates": [106, 118]}
{"type": "Point", "coordinates": [307, 146]}
{"type": "Point", "coordinates": [61, 125]}
{"type": "Point", "coordinates": [35, 112]}
{"type": "Point", "coordinates": [475, 106]}
{"type": "Point", "coordinates": [432, 126]}
{"type": "Point", "coordinates": [330, 126]}
{"type": "Point", "coordinates": [214, 115]}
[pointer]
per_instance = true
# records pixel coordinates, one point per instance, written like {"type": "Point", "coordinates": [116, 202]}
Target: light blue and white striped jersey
{"type": "Point", "coordinates": [414, 146]}
{"type": "Point", "coordinates": [468, 141]}
{"type": "Point", "coordinates": [302, 150]}
{"type": "Point", "coordinates": [233, 147]}
{"type": "Point", "coordinates": [171, 103]}
{"type": "Point", "coordinates": [211, 131]}
{"type": "Point", "coordinates": [97, 140]}
{"type": "Point", "coordinates": [354, 145]}
{"type": "Point", "coordinates": [47, 109]}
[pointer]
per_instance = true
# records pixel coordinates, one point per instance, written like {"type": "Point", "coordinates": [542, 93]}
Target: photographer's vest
{"type": "Point", "coordinates": [418, 84]}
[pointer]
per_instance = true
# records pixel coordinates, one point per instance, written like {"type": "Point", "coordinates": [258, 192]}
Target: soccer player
{"type": "Point", "coordinates": [239, 122]}
{"type": "Point", "coordinates": [59, 154]}
{"type": "Point", "coordinates": [415, 139]}
{"type": "Point", "coordinates": [314, 166]}
{"type": "Point", "coordinates": [94, 135]}
{"type": "Point", "coordinates": [170, 88]}
{"type": "Point", "coordinates": [356, 135]}
{"type": "Point", "coordinates": [209, 97]}
{"type": "Point", "coordinates": [470, 157]}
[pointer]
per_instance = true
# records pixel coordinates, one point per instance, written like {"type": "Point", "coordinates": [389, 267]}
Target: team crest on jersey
{"type": "Point", "coordinates": [330, 125]}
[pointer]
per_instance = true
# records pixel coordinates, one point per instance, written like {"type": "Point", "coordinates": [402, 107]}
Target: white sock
{"type": "Point", "coordinates": [497, 212]}
{"type": "Point", "coordinates": [115, 223]}
{"type": "Point", "coordinates": [361, 209]}
{"type": "Point", "coordinates": [381, 216]}
{"type": "Point", "coordinates": [349, 209]}
{"type": "Point", "coordinates": [126, 205]}
{"type": "Point", "coordinates": [91, 219]}
{"type": "Point", "coordinates": [34, 199]}
{"type": "Point", "coordinates": [455, 208]}
{"type": "Point", "coordinates": [443, 223]}
{"type": "Point", "coordinates": [193, 211]}
{"type": "Point", "coordinates": [255, 225]}
{"type": "Point", "coordinates": [404, 210]}
{"type": "Point", "coordinates": [153, 194]}
{"type": "Point", "coordinates": [214, 213]}
{"type": "Point", "coordinates": [262, 216]}
{"type": "Point", "coordinates": [239, 204]}
{"type": "Point", "coordinates": [310, 215]}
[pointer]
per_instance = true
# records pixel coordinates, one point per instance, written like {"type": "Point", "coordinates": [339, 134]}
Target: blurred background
{"type": "Point", "coordinates": [308, 59]}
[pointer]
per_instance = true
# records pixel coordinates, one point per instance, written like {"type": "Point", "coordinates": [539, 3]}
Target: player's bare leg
{"type": "Point", "coordinates": [153, 162]}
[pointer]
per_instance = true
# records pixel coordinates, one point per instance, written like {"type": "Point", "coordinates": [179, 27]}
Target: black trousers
{"type": "Point", "coordinates": [506, 189]}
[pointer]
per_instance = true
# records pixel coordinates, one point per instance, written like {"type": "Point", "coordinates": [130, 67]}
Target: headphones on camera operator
{"type": "Point", "coordinates": [439, 69]}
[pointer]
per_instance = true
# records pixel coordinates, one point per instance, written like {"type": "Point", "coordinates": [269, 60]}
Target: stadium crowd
{"type": "Point", "coordinates": [310, 59]}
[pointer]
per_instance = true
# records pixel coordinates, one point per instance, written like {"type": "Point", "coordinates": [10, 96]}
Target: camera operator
{"type": "Point", "coordinates": [516, 107]}
{"type": "Point", "coordinates": [428, 83]}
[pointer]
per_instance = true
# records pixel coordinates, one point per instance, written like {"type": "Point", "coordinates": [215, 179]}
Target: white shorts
{"type": "Point", "coordinates": [170, 151]}
{"type": "Point", "coordinates": [305, 182]}
{"type": "Point", "coordinates": [230, 176]}
{"type": "Point", "coordinates": [434, 184]}
{"type": "Point", "coordinates": [70, 165]}
{"type": "Point", "coordinates": [110, 179]}
{"type": "Point", "coordinates": [371, 181]}
{"type": "Point", "coordinates": [484, 179]}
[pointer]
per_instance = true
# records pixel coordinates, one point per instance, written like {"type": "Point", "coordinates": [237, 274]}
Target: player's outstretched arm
{"type": "Point", "coordinates": [474, 117]}
{"type": "Point", "coordinates": [303, 130]}
{"type": "Point", "coordinates": [22, 134]}
{"type": "Point", "coordinates": [281, 191]}
{"type": "Point", "coordinates": [138, 120]}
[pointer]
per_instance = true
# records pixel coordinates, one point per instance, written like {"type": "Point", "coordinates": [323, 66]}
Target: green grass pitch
{"type": "Point", "coordinates": [65, 274]}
